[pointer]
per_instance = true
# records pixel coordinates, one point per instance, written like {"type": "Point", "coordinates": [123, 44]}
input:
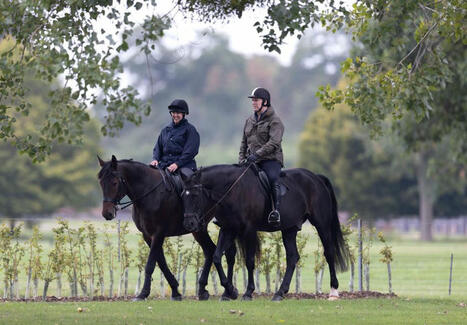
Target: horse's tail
{"type": "Point", "coordinates": [342, 253]}
{"type": "Point", "coordinates": [244, 241]}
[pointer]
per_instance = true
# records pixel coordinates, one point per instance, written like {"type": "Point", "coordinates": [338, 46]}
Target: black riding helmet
{"type": "Point", "coordinates": [262, 93]}
{"type": "Point", "coordinates": [179, 105]}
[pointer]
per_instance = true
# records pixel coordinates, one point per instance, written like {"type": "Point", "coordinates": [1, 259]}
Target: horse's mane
{"type": "Point", "coordinates": [106, 170]}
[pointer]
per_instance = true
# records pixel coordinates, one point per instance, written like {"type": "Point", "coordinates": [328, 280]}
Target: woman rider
{"type": "Point", "coordinates": [178, 142]}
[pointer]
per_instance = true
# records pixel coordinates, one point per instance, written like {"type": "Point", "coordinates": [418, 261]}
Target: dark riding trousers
{"type": "Point", "coordinates": [272, 168]}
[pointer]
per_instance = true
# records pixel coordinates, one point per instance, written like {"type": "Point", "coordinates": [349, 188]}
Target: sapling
{"type": "Point", "coordinates": [301, 244]}
{"type": "Point", "coordinates": [83, 274]}
{"type": "Point", "coordinates": [48, 273]}
{"type": "Point", "coordinates": [34, 251]}
{"type": "Point", "coordinates": [197, 262]}
{"type": "Point", "coordinates": [346, 233]}
{"type": "Point", "coordinates": [140, 261]}
{"type": "Point", "coordinates": [11, 254]}
{"type": "Point", "coordinates": [71, 258]}
{"type": "Point", "coordinates": [278, 257]}
{"type": "Point", "coordinates": [186, 261]}
{"type": "Point", "coordinates": [386, 257]}
{"type": "Point", "coordinates": [91, 255]}
{"type": "Point", "coordinates": [267, 263]}
{"type": "Point", "coordinates": [125, 258]}
{"type": "Point", "coordinates": [110, 257]}
{"type": "Point", "coordinates": [59, 257]}
{"type": "Point", "coordinates": [369, 233]}
{"type": "Point", "coordinates": [319, 265]}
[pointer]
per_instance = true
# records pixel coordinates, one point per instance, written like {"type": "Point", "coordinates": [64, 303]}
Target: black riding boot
{"type": "Point", "coordinates": [275, 217]}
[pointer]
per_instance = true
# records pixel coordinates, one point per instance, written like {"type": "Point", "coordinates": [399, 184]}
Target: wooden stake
{"type": "Point", "coordinates": [360, 273]}
{"type": "Point", "coordinates": [450, 274]}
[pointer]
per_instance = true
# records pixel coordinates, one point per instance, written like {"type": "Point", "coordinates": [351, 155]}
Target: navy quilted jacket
{"type": "Point", "coordinates": [177, 143]}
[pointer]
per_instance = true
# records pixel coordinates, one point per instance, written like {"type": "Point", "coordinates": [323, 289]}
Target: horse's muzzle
{"type": "Point", "coordinates": [108, 210]}
{"type": "Point", "coordinates": [191, 221]}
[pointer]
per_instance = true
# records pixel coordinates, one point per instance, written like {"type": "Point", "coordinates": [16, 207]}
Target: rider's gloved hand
{"type": "Point", "coordinates": [251, 158]}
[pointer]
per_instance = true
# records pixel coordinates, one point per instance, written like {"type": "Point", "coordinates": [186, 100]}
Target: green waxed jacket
{"type": "Point", "coordinates": [263, 137]}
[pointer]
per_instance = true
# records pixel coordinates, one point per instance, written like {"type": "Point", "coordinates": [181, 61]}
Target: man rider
{"type": "Point", "coordinates": [261, 144]}
{"type": "Point", "coordinates": [178, 142]}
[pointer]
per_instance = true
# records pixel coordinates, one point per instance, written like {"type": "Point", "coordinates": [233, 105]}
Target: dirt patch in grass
{"type": "Point", "coordinates": [342, 295]}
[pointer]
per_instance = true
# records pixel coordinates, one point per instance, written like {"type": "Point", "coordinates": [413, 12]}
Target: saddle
{"type": "Point", "coordinates": [176, 179]}
{"type": "Point", "coordinates": [173, 181]}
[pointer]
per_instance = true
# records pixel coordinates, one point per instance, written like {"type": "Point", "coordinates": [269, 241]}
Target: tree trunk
{"type": "Point", "coordinates": [59, 284]}
{"type": "Point", "coordinates": [126, 283]}
{"type": "Point", "coordinates": [111, 285]}
{"type": "Point", "coordinates": [162, 283]}
{"type": "Point", "coordinates": [257, 283]}
{"type": "Point", "coordinates": [28, 284]}
{"type": "Point", "coordinates": [352, 274]}
{"type": "Point", "coordinates": [268, 282]}
{"type": "Point", "coordinates": [46, 287]}
{"type": "Point", "coordinates": [367, 276]}
{"type": "Point", "coordinates": [214, 282]}
{"type": "Point", "coordinates": [426, 197]}
{"type": "Point", "coordinates": [184, 281]}
{"type": "Point", "coordinates": [389, 278]}
{"type": "Point", "coordinates": [138, 283]}
{"type": "Point", "coordinates": [321, 273]}
{"type": "Point", "coordinates": [298, 280]}
{"type": "Point", "coordinates": [36, 285]}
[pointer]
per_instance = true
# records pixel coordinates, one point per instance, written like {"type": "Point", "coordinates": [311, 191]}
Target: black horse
{"type": "Point", "coordinates": [157, 213]}
{"type": "Point", "coordinates": [236, 197]}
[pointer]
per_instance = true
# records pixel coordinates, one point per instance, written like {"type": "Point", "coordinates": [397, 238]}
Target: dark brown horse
{"type": "Point", "coordinates": [157, 213]}
{"type": "Point", "coordinates": [235, 196]}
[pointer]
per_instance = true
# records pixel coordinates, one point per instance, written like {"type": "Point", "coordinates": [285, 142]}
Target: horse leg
{"type": "Point", "coordinates": [250, 242]}
{"type": "Point", "coordinates": [154, 245]}
{"type": "Point", "coordinates": [209, 248]}
{"type": "Point", "coordinates": [225, 243]}
{"type": "Point", "coordinates": [290, 243]}
{"type": "Point", "coordinates": [230, 257]}
{"type": "Point", "coordinates": [173, 283]}
{"type": "Point", "coordinates": [329, 253]}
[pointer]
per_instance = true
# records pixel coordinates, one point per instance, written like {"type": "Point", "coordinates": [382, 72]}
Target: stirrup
{"type": "Point", "coordinates": [274, 217]}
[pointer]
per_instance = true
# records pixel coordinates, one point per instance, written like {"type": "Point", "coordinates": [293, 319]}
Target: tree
{"type": "Point", "coordinates": [337, 145]}
{"type": "Point", "coordinates": [408, 78]}
{"type": "Point", "coordinates": [66, 179]}
{"type": "Point", "coordinates": [58, 38]}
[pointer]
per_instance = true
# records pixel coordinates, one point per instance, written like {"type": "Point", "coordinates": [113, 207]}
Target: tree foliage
{"type": "Point", "coordinates": [338, 146]}
{"type": "Point", "coordinates": [412, 64]}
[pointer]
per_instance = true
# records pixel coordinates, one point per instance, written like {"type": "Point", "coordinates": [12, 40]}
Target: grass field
{"type": "Point", "coordinates": [420, 279]}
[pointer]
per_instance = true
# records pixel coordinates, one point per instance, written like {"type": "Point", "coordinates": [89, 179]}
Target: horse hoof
{"type": "Point", "coordinates": [246, 298]}
{"type": "Point", "coordinates": [135, 299]}
{"type": "Point", "coordinates": [277, 298]}
{"type": "Point", "coordinates": [234, 294]}
{"type": "Point", "coordinates": [203, 296]}
{"type": "Point", "coordinates": [176, 298]}
{"type": "Point", "coordinates": [224, 298]}
{"type": "Point", "coordinates": [332, 298]}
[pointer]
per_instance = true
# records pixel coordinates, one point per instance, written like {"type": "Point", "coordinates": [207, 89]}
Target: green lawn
{"type": "Point", "coordinates": [261, 311]}
{"type": "Point", "coordinates": [420, 279]}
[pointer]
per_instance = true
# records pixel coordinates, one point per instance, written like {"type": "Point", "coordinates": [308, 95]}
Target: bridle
{"type": "Point", "coordinates": [122, 184]}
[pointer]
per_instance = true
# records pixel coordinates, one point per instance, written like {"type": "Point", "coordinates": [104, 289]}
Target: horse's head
{"type": "Point", "coordinates": [193, 198]}
{"type": "Point", "coordinates": [113, 187]}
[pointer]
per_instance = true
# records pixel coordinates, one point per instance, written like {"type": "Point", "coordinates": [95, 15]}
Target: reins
{"type": "Point", "coordinates": [227, 192]}
{"type": "Point", "coordinates": [128, 203]}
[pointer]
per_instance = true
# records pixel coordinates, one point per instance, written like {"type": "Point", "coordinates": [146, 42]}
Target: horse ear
{"type": "Point", "coordinates": [196, 177]}
{"type": "Point", "coordinates": [101, 162]}
{"type": "Point", "coordinates": [113, 164]}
